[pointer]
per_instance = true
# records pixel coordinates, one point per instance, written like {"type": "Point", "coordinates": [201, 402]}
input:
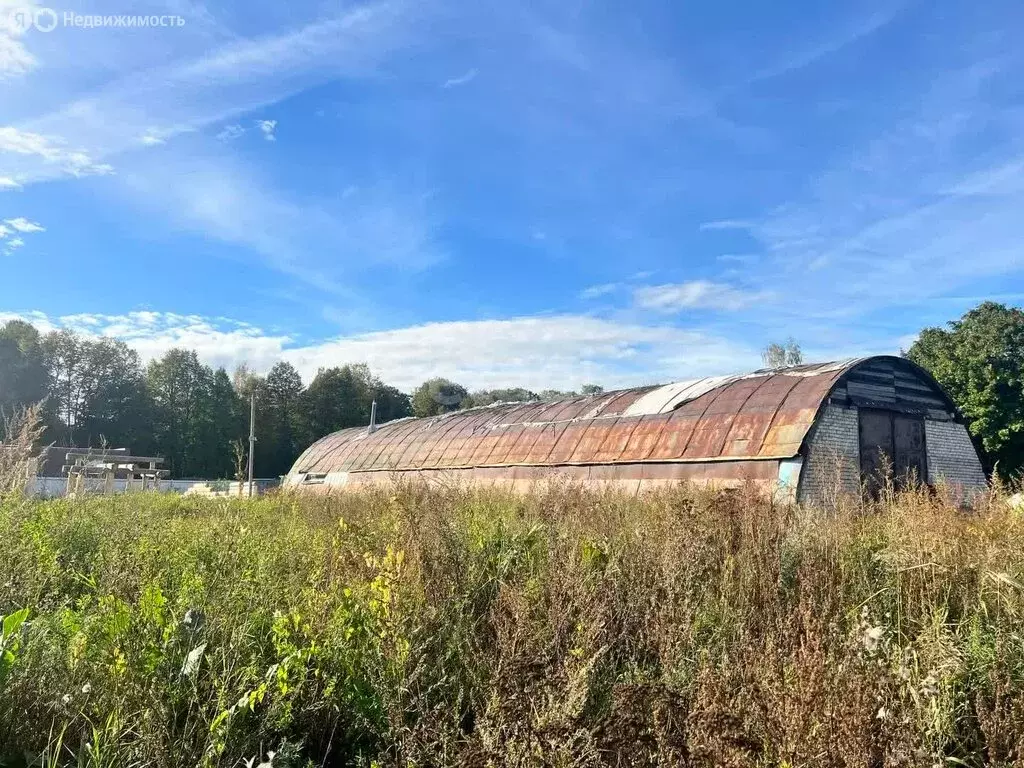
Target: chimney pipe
{"type": "Point", "coordinates": [373, 418]}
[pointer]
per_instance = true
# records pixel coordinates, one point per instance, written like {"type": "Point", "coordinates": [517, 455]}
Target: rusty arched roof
{"type": "Point", "coordinates": [761, 415]}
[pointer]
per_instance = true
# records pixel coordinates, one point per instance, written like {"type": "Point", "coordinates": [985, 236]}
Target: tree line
{"type": "Point", "coordinates": [96, 391]}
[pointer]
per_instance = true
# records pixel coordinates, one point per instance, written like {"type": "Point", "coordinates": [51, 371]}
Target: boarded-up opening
{"type": "Point", "coordinates": [891, 442]}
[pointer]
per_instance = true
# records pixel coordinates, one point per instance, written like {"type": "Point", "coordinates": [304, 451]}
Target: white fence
{"type": "Point", "coordinates": [52, 487]}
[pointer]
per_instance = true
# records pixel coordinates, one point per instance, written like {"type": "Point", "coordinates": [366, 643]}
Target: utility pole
{"type": "Point", "coordinates": [252, 435]}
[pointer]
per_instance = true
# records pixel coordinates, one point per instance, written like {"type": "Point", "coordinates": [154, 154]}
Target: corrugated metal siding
{"type": "Point", "coordinates": [895, 384]}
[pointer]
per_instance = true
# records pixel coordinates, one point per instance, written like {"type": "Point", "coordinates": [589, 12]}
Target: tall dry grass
{"type": "Point", "coordinates": [20, 432]}
{"type": "Point", "coordinates": [454, 627]}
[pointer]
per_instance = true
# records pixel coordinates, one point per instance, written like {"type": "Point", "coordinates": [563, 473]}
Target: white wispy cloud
{"type": "Point", "coordinates": [561, 351]}
{"type": "Point", "coordinates": [267, 128]}
{"type": "Point", "coordinates": [23, 225]}
{"type": "Point", "coordinates": [152, 138]}
{"type": "Point", "coordinates": [597, 291]}
{"type": "Point", "coordinates": [697, 294]}
{"type": "Point", "coordinates": [851, 33]}
{"type": "Point", "coordinates": [912, 214]}
{"type": "Point", "coordinates": [15, 58]}
{"type": "Point", "coordinates": [225, 82]}
{"type": "Point", "coordinates": [230, 132]}
{"type": "Point", "coordinates": [725, 224]}
{"type": "Point", "coordinates": [196, 185]}
{"type": "Point", "coordinates": [739, 258]}
{"type": "Point", "coordinates": [1002, 179]}
{"type": "Point", "coordinates": [51, 151]}
{"type": "Point", "coordinates": [229, 200]}
{"type": "Point", "coordinates": [463, 79]}
{"type": "Point", "coordinates": [6, 182]}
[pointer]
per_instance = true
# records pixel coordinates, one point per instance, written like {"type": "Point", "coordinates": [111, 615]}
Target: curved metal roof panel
{"type": "Point", "coordinates": [761, 415]}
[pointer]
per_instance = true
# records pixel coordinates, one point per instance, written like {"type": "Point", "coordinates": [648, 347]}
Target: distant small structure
{"type": "Point", "coordinates": [53, 458]}
{"type": "Point", "coordinates": [97, 471]}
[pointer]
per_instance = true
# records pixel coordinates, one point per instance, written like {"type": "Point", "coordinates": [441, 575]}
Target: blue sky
{"type": "Point", "coordinates": [504, 193]}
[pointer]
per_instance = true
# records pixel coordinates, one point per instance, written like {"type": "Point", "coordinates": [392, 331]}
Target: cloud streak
{"type": "Point", "coordinates": [15, 58]}
{"type": "Point", "coordinates": [191, 94]}
{"type": "Point", "coordinates": [560, 351]}
{"type": "Point", "coordinates": [597, 291]}
{"type": "Point", "coordinates": [672, 298]}
{"type": "Point", "coordinates": [23, 225]}
{"type": "Point", "coordinates": [231, 132]}
{"type": "Point", "coordinates": [916, 211]}
{"type": "Point", "coordinates": [317, 244]}
{"type": "Point", "coordinates": [50, 154]}
{"type": "Point", "coordinates": [854, 32]}
{"type": "Point", "coordinates": [195, 185]}
{"type": "Point", "coordinates": [454, 82]}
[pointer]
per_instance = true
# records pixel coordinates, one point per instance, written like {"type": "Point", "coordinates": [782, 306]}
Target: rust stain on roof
{"type": "Point", "coordinates": [762, 415]}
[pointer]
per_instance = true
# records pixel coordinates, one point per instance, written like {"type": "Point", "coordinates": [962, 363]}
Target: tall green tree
{"type": "Point", "coordinates": [438, 395]}
{"type": "Point", "coordinates": [66, 381]}
{"type": "Point", "coordinates": [391, 402]}
{"type": "Point", "coordinates": [979, 360]}
{"type": "Point", "coordinates": [114, 408]}
{"type": "Point", "coordinates": [97, 393]}
{"type": "Point", "coordinates": [279, 426]}
{"type": "Point", "coordinates": [219, 423]}
{"type": "Point", "coordinates": [181, 388]}
{"type": "Point", "coordinates": [337, 398]}
{"type": "Point", "coordinates": [22, 366]}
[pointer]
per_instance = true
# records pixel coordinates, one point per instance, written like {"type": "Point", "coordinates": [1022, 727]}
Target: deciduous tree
{"type": "Point", "coordinates": [22, 366]}
{"type": "Point", "coordinates": [438, 395]}
{"type": "Point", "coordinates": [979, 360]}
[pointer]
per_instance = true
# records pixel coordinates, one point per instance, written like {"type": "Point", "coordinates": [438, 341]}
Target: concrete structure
{"type": "Point", "coordinates": [95, 471]}
{"type": "Point", "coordinates": [808, 432]}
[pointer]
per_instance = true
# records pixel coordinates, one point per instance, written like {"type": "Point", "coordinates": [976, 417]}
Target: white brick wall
{"type": "Point", "coordinates": [833, 457]}
{"type": "Point", "coordinates": [951, 455]}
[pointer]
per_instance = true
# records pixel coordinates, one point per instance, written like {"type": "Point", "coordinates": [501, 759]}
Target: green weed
{"type": "Point", "coordinates": [415, 627]}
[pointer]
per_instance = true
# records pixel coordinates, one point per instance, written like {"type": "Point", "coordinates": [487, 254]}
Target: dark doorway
{"type": "Point", "coordinates": [891, 442]}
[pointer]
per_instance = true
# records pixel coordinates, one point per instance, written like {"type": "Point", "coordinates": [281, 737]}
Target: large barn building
{"type": "Point", "coordinates": [806, 431]}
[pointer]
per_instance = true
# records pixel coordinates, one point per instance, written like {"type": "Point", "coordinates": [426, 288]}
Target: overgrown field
{"type": "Point", "coordinates": [413, 627]}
